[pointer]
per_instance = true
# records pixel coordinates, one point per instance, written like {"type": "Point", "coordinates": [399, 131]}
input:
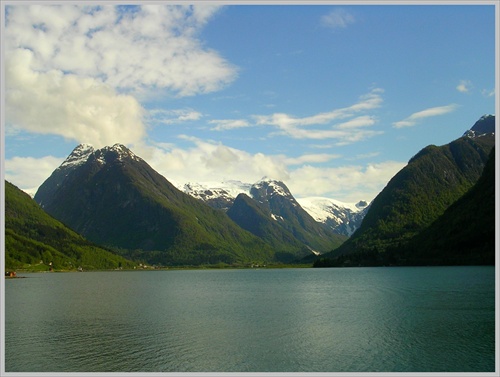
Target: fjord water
{"type": "Point", "coordinates": [404, 319]}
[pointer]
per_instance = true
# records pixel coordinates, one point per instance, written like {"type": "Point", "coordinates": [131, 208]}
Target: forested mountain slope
{"type": "Point", "coordinates": [114, 198]}
{"type": "Point", "coordinates": [32, 236]}
{"type": "Point", "coordinates": [419, 194]}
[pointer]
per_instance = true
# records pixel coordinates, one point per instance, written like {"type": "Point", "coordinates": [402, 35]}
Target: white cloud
{"type": "Point", "coordinates": [150, 46]}
{"type": "Point", "coordinates": [347, 132]}
{"type": "Point", "coordinates": [346, 183]}
{"type": "Point", "coordinates": [173, 116]}
{"type": "Point", "coordinates": [310, 158]}
{"type": "Point", "coordinates": [464, 86]}
{"type": "Point", "coordinates": [70, 69]}
{"type": "Point", "coordinates": [80, 109]}
{"type": "Point", "coordinates": [414, 118]}
{"type": "Point", "coordinates": [208, 161]}
{"type": "Point", "coordinates": [28, 173]}
{"type": "Point", "coordinates": [214, 162]}
{"type": "Point", "coordinates": [362, 121]}
{"type": "Point", "coordinates": [337, 19]}
{"type": "Point", "coordinates": [488, 92]}
{"type": "Point", "coordinates": [228, 124]}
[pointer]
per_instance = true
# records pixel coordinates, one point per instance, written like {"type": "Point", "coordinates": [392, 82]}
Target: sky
{"type": "Point", "coordinates": [332, 99]}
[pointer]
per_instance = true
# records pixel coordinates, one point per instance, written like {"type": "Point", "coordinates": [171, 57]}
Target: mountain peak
{"type": "Point", "coordinates": [83, 151]}
{"type": "Point", "coordinates": [268, 187]}
{"type": "Point", "coordinates": [485, 125]}
{"type": "Point", "coordinates": [116, 152]}
{"type": "Point", "coordinates": [266, 179]}
{"type": "Point", "coordinates": [78, 156]}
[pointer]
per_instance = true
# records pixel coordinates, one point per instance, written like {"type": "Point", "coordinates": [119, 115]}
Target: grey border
{"type": "Point", "coordinates": [4, 3]}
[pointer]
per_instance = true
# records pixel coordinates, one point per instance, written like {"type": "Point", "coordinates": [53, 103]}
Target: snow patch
{"type": "Point", "coordinates": [78, 156]}
{"type": "Point", "coordinates": [341, 217]}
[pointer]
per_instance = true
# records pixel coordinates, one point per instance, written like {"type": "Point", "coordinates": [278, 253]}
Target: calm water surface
{"type": "Point", "coordinates": [284, 320]}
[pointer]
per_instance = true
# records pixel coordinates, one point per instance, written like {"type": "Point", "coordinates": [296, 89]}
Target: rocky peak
{"type": "Point", "coordinates": [267, 188]}
{"type": "Point", "coordinates": [78, 156]}
{"type": "Point", "coordinates": [484, 126]}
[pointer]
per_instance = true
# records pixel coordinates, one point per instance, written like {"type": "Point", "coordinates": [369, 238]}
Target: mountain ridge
{"type": "Point", "coordinates": [342, 218]}
{"type": "Point", "coordinates": [35, 240]}
{"type": "Point", "coordinates": [115, 198]}
{"type": "Point", "coordinates": [418, 195]}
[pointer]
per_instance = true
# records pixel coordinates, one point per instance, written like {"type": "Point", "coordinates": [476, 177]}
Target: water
{"type": "Point", "coordinates": [438, 319]}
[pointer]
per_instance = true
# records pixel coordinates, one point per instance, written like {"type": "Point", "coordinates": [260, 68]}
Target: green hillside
{"type": "Point", "coordinates": [32, 236]}
{"type": "Point", "coordinates": [465, 233]}
{"type": "Point", "coordinates": [116, 199]}
{"type": "Point", "coordinates": [256, 218]}
{"type": "Point", "coordinates": [414, 198]}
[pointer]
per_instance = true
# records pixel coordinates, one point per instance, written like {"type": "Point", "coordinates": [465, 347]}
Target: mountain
{"type": "Point", "coordinates": [33, 240]}
{"type": "Point", "coordinates": [218, 198]}
{"type": "Point", "coordinates": [483, 127]}
{"type": "Point", "coordinates": [114, 198]}
{"type": "Point", "coordinates": [342, 218]}
{"type": "Point", "coordinates": [465, 233]}
{"type": "Point", "coordinates": [276, 198]}
{"type": "Point", "coordinates": [78, 157]}
{"type": "Point", "coordinates": [274, 208]}
{"type": "Point", "coordinates": [258, 219]}
{"type": "Point", "coordinates": [419, 194]}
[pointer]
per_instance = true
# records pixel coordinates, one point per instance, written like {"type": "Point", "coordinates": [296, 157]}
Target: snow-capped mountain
{"type": "Point", "coordinates": [78, 156]}
{"type": "Point", "coordinates": [484, 126]}
{"type": "Point", "coordinates": [114, 198]}
{"type": "Point", "coordinates": [217, 195]}
{"type": "Point", "coordinates": [82, 154]}
{"type": "Point", "coordinates": [343, 218]}
{"type": "Point", "coordinates": [273, 199]}
{"type": "Point", "coordinates": [266, 189]}
{"type": "Point", "coordinates": [218, 198]}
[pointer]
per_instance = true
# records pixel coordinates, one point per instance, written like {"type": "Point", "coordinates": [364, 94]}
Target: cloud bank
{"type": "Point", "coordinates": [211, 161]}
{"type": "Point", "coordinates": [129, 47]}
{"type": "Point", "coordinates": [80, 72]}
{"type": "Point", "coordinates": [77, 71]}
{"type": "Point", "coordinates": [80, 109]}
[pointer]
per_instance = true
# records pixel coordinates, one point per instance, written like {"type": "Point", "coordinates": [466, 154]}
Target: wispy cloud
{"type": "Point", "coordinates": [488, 92]}
{"type": "Point", "coordinates": [311, 158]}
{"type": "Point", "coordinates": [347, 132]}
{"type": "Point", "coordinates": [173, 116]}
{"type": "Point", "coordinates": [337, 19]}
{"type": "Point", "coordinates": [228, 124]}
{"type": "Point", "coordinates": [363, 156]}
{"type": "Point", "coordinates": [464, 86]}
{"type": "Point", "coordinates": [415, 118]}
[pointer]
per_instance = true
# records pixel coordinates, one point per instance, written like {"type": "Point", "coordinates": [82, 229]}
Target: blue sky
{"type": "Point", "coordinates": [332, 99]}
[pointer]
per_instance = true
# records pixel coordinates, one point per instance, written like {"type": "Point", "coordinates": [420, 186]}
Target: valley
{"type": "Point", "coordinates": [113, 198]}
